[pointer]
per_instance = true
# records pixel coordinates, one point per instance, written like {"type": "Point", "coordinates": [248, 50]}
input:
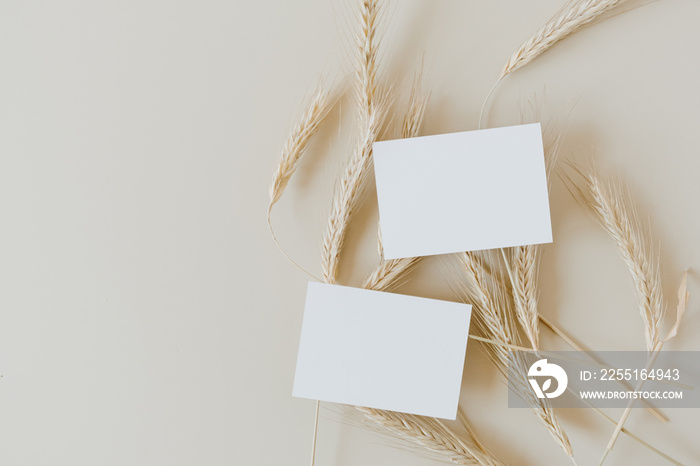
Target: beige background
{"type": "Point", "coordinates": [146, 317]}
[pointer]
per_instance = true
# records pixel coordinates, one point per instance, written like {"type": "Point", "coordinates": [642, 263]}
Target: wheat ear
{"type": "Point", "coordinates": [297, 141]}
{"type": "Point", "coordinates": [372, 110]}
{"type": "Point", "coordinates": [524, 274]}
{"type": "Point", "coordinates": [366, 68]}
{"type": "Point", "coordinates": [347, 195]}
{"type": "Point", "coordinates": [430, 434]}
{"type": "Point", "coordinates": [613, 210]}
{"type": "Point", "coordinates": [294, 147]}
{"type": "Point", "coordinates": [524, 261]}
{"type": "Point", "coordinates": [415, 115]}
{"type": "Point", "coordinates": [489, 298]}
{"type": "Point", "coordinates": [573, 17]}
{"type": "Point", "coordinates": [387, 274]}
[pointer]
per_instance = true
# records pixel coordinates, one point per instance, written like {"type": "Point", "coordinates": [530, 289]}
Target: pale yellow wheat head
{"type": "Point", "coordinates": [297, 142]}
{"type": "Point", "coordinates": [372, 105]}
{"type": "Point", "coordinates": [576, 15]}
{"type": "Point", "coordinates": [347, 194]}
{"type": "Point", "coordinates": [366, 65]}
{"type": "Point", "coordinates": [612, 208]}
{"type": "Point", "coordinates": [432, 435]}
{"type": "Point", "coordinates": [524, 265]}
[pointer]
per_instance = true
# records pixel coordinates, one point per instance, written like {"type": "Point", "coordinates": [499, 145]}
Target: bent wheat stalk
{"type": "Point", "coordinates": [491, 310]}
{"type": "Point", "coordinates": [347, 195]}
{"type": "Point", "coordinates": [575, 16]}
{"type": "Point", "coordinates": [524, 266]}
{"type": "Point", "coordinates": [613, 210]}
{"type": "Point", "coordinates": [432, 435]}
{"type": "Point", "coordinates": [317, 109]}
{"type": "Point", "coordinates": [372, 110]}
{"type": "Point", "coordinates": [294, 147]}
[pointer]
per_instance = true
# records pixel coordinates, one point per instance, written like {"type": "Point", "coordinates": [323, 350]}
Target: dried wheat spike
{"type": "Point", "coordinates": [432, 435]}
{"type": "Point", "coordinates": [347, 195]}
{"type": "Point", "coordinates": [573, 17]}
{"type": "Point", "coordinates": [372, 110]}
{"type": "Point", "coordinates": [297, 141]}
{"type": "Point", "coordinates": [611, 206]}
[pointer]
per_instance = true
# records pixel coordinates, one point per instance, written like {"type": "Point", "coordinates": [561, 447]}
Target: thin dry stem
{"type": "Point", "coordinates": [682, 304]}
{"type": "Point", "coordinates": [576, 15]}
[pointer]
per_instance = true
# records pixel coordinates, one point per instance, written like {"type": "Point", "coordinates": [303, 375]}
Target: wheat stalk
{"type": "Point", "coordinates": [489, 299]}
{"type": "Point", "coordinates": [524, 273]}
{"type": "Point", "coordinates": [307, 125]}
{"type": "Point", "coordinates": [481, 280]}
{"type": "Point", "coordinates": [347, 195]}
{"type": "Point", "coordinates": [372, 106]}
{"type": "Point", "coordinates": [388, 273]}
{"type": "Point", "coordinates": [572, 18]}
{"type": "Point", "coordinates": [612, 208]}
{"type": "Point", "coordinates": [430, 434]}
{"type": "Point", "coordinates": [614, 212]}
{"type": "Point", "coordinates": [366, 68]}
{"type": "Point", "coordinates": [576, 15]}
{"type": "Point", "coordinates": [417, 103]}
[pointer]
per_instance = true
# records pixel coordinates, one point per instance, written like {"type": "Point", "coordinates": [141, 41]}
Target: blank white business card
{"type": "Point", "coordinates": [465, 191]}
{"type": "Point", "coordinates": [382, 350]}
